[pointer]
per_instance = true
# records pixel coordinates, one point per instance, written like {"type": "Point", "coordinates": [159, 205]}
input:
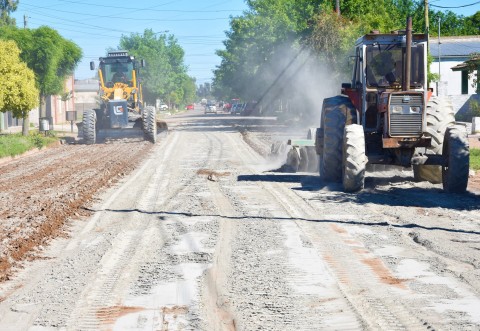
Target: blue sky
{"type": "Point", "coordinates": [199, 25]}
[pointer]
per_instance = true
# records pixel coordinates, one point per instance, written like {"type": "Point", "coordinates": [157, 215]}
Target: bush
{"type": "Point", "coordinates": [475, 159]}
{"type": "Point", "coordinates": [473, 111]}
{"type": "Point", "coordinates": [475, 108]}
{"type": "Point", "coordinates": [16, 144]}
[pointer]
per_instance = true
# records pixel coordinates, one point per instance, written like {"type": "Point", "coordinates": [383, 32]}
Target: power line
{"type": "Point", "coordinates": [454, 7]}
{"type": "Point", "coordinates": [131, 18]}
{"type": "Point", "coordinates": [157, 10]}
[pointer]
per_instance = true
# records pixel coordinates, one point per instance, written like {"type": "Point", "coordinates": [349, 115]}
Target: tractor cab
{"type": "Point", "coordinates": [389, 91]}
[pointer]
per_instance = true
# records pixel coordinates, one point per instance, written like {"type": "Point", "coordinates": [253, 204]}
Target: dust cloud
{"type": "Point", "coordinates": [300, 81]}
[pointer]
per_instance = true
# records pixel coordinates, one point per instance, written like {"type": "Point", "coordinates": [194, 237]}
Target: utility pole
{"type": "Point", "coordinates": [439, 59]}
{"type": "Point", "coordinates": [427, 24]}
{"type": "Point", "coordinates": [25, 18]}
{"type": "Point", "coordinates": [439, 20]}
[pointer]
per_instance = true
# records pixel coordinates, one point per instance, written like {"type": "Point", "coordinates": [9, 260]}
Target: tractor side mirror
{"type": "Point", "coordinates": [92, 65]}
{"type": "Point", "coordinates": [142, 63]}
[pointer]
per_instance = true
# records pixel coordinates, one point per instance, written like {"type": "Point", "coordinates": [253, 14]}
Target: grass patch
{"type": "Point", "coordinates": [16, 144]}
{"type": "Point", "coordinates": [475, 158]}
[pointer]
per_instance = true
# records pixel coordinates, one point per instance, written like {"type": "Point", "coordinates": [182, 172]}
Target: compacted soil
{"type": "Point", "coordinates": [201, 232]}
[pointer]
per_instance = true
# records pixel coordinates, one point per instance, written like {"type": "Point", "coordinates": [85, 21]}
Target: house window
{"type": "Point", "coordinates": [464, 82]}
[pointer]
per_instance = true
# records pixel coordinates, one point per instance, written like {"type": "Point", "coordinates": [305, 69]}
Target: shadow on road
{"type": "Point", "coordinates": [163, 215]}
{"type": "Point", "coordinates": [375, 191]}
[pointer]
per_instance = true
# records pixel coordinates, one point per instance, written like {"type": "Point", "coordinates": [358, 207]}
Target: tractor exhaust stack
{"type": "Point", "coordinates": [408, 56]}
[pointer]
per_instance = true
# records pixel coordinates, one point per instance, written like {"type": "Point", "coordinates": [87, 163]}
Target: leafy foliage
{"type": "Point", "coordinates": [6, 7]}
{"type": "Point", "coordinates": [18, 93]}
{"type": "Point", "coordinates": [473, 68]}
{"type": "Point", "coordinates": [165, 75]}
{"type": "Point", "coordinates": [273, 29]}
{"type": "Point", "coordinates": [48, 54]}
{"type": "Point", "coordinates": [475, 158]}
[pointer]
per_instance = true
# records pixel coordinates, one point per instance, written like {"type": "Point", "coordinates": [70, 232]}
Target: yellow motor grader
{"type": "Point", "coordinates": [122, 112]}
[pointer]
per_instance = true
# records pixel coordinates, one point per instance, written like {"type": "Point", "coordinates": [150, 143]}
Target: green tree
{"type": "Point", "coordinates": [165, 75]}
{"type": "Point", "coordinates": [7, 7]}
{"type": "Point", "coordinates": [18, 93]}
{"type": "Point", "coordinates": [48, 54]}
{"type": "Point", "coordinates": [270, 30]}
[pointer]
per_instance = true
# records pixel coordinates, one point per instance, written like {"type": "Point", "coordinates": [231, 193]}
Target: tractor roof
{"type": "Point", "coordinates": [388, 38]}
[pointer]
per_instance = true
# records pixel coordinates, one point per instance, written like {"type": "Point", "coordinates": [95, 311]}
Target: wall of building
{"type": "Point", "coordinates": [453, 79]}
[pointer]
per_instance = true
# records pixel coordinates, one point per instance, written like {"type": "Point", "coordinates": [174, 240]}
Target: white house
{"type": "Point", "coordinates": [449, 55]}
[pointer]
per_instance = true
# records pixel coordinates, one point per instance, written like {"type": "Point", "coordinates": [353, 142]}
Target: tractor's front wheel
{"type": "Point", "coordinates": [89, 126]}
{"type": "Point", "coordinates": [150, 124]}
{"type": "Point", "coordinates": [354, 159]}
{"type": "Point", "coordinates": [456, 156]}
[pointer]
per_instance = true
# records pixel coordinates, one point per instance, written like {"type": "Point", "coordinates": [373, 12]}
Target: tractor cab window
{"type": "Point", "coordinates": [118, 73]}
{"type": "Point", "coordinates": [385, 66]}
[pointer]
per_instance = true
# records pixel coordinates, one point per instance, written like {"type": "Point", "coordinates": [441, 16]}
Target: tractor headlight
{"type": "Point", "coordinates": [415, 109]}
{"type": "Point", "coordinates": [396, 109]}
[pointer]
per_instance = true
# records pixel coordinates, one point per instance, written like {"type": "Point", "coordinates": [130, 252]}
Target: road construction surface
{"type": "Point", "coordinates": [198, 233]}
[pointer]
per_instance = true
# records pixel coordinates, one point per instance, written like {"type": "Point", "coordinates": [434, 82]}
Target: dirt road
{"type": "Point", "coordinates": [202, 235]}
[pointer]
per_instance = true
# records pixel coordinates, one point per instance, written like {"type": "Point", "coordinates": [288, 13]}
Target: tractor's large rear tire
{"type": "Point", "coordinates": [354, 159]}
{"type": "Point", "coordinates": [150, 124]}
{"type": "Point", "coordinates": [89, 126]}
{"type": "Point", "coordinates": [456, 156]}
{"type": "Point", "coordinates": [337, 112]}
{"type": "Point", "coordinates": [440, 116]}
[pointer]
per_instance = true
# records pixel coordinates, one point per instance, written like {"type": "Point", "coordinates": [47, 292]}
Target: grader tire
{"type": "Point", "coordinates": [354, 159]}
{"type": "Point", "coordinates": [337, 112]}
{"type": "Point", "coordinates": [278, 148]}
{"type": "Point", "coordinates": [150, 124]}
{"type": "Point", "coordinates": [89, 126]}
{"type": "Point", "coordinates": [293, 160]}
{"type": "Point", "coordinates": [303, 165]}
{"type": "Point", "coordinates": [312, 159]}
{"type": "Point", "coordinates": [311, 133]}
{"type": "Point", "coordinates": [456, 156]}
{"type": "Point", "coordinates": [440, 116]}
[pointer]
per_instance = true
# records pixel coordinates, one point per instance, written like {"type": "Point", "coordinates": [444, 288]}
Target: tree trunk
{"type": "Point", "coordinates": [26, 124]}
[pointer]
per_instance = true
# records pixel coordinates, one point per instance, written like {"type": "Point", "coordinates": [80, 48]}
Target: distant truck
{"type": "Point", "coordinates": [204, 102]}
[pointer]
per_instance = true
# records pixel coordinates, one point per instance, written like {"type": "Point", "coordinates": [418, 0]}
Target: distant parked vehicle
{"type": "Point", "coordinates": [163, 106]}
{"type": "Point", "coordinates": [210, 108]}
{"type": "Point", "coordinates": [190, 107]}
{"type": "Point", "coordinates": [237, 109]}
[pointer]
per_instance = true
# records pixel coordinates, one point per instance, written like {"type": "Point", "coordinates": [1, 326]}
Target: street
{"type": "Point", "coordinates": [198, 232]}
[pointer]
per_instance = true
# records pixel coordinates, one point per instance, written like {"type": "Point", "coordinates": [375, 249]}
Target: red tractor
{"type": "Point", "coordinates": [387, 115]}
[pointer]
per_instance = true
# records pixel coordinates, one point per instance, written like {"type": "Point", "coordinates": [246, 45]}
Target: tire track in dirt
{"type": "Point", "coordinates": [357, 271]}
